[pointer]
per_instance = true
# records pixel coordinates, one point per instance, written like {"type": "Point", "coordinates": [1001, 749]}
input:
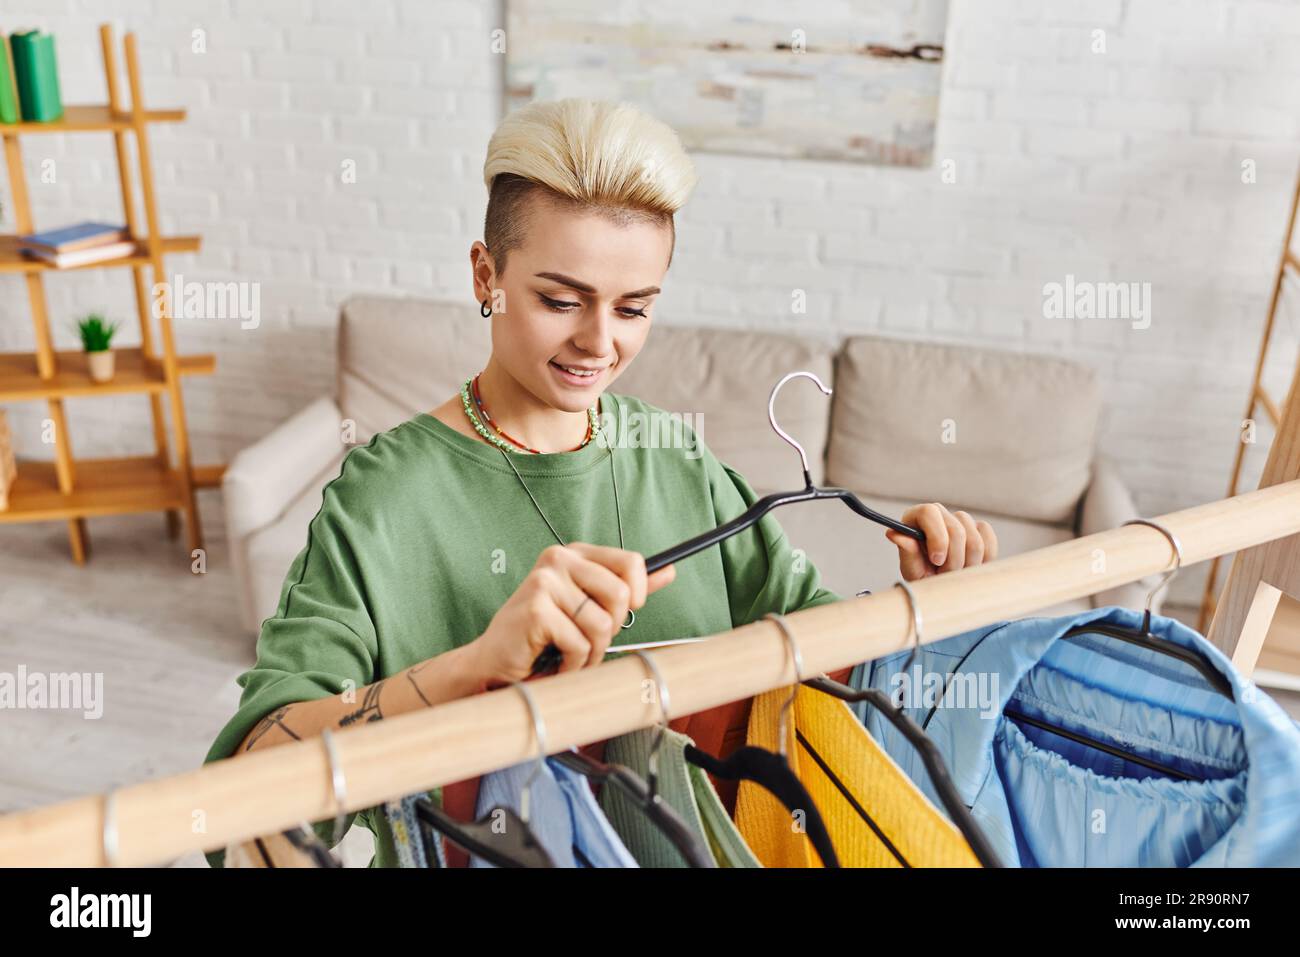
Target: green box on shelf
{"type": "Point", "coordinates": [37, 74]}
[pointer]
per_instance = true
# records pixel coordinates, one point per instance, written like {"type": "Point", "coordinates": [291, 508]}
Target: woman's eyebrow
{"type": "Point", "coordinates": [591, 290]}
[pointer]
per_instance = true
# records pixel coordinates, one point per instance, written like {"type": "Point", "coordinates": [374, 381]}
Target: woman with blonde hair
{"type": "Point", "coordinates": [454, 548]}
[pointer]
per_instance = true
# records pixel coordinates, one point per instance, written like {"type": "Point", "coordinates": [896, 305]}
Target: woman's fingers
{"type": "Point", "coordinates": [567, 636]}
{"type": "Point", "coordinates": [628, 566]}
{"type": "Point", "coordinates": [660, 578]}
{"type": "Point", "coordinates": [912, 563]}
{"type": "Point", "coordinates": [990, 540]}
{"type": "Point", "coordinates": [953, 540]}
{"type": "Point", "coordinates": [956, 543]}
{"type": "Point", "coordinates": [930, 519]}
{"type": "Point", "coordinates": [974, 540]}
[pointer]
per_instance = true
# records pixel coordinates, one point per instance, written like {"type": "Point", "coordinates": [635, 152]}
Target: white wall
{"type": "Point", "coordinates": [1122, 166]}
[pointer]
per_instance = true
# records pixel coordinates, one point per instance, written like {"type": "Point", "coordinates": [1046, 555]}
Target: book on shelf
{"type": "Point", "coordinates": [37, 76]}
{"type": "Point", "coordinates": [77, 236]}
{"type": "Point", "coordinates": [9, 111]}
{"type": "Point", "coordinates": [82, 257]}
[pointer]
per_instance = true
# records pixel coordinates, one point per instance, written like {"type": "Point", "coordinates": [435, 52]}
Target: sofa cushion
{"type": "Point", "coordinates": [999, 431]}
{"type": "Point", "coordinates": [722, 378]}
{"type": "Point", "coordinates": [399, 357]}
{"type": "Point", "coordinates": [852, 553]}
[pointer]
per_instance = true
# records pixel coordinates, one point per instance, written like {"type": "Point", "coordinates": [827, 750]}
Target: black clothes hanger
{"type": "Point", "coordinates": [1142, 638]}
{"type": "Point", "coordinates": [915, 736]}
{"type": "Point", "coordinates": [511, 845]}
{"type": "Point", "coordinates": [305, 840]}
{"type": "Point", "coordinates": [551, 656]}
{"type": "Point", "coordinates": [770, 771]}
{"type": "Point", "coordinates": [661, 814]}
{"type": "Point", "coordinates": [768, 502]}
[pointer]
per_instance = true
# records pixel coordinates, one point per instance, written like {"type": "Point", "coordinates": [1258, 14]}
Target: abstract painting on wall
{"type": "Point", "coordinates": [849, 80]}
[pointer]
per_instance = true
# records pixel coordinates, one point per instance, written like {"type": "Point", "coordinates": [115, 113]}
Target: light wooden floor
{"type": "Point", "coordinates": [167, 642]}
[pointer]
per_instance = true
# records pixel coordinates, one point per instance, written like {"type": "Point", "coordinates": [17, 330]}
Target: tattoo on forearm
{"type": "Point", "coordinates": [369, 710]}
{"type": "Point", "coordinates": [273, 720]}
{"type": "Point", "coordinates": [410, 676]}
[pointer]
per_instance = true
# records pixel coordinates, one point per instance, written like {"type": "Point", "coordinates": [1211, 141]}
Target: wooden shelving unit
{"type": "Point", "coordinates": [74, 489]}
{"type": "Point", "coordinates": [1288, 264]}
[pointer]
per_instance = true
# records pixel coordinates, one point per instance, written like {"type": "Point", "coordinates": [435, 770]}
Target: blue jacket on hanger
{"type": "Point", "coordinates": [1045, 801]}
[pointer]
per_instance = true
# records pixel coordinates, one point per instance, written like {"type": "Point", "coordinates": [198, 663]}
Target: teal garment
{"type": "Point", "coordinates": [683, 786]}
{"type": "Point", "coordinates": [426, 532]}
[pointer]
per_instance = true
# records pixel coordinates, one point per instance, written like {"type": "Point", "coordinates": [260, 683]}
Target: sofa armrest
{"type": "Point", "coordinates": [264, 478]}
{"type": "Point", "coordinates": [1107, 504]}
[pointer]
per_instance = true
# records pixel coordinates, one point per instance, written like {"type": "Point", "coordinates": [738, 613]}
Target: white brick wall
{"type": "Point", "coordinates": [1124, 165]}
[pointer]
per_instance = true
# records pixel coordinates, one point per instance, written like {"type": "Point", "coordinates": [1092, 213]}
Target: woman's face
{"type": "Point", "coordinates": [579, 293]}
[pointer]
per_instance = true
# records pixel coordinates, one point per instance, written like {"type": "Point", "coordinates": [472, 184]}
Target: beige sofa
{"type": "Point", "coordinates": [1006, 436]}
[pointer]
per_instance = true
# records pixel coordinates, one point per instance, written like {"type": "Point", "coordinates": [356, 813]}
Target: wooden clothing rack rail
{"type": "Point", "coordinates": [265, 792]}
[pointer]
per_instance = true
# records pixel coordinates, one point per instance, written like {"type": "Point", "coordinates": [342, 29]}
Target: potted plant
{"type": "Point", "coordinates": [96, 334]}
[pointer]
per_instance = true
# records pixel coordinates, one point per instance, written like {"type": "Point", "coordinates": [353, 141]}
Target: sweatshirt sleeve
{"type": "Point", "coordinates": [321, 641]}
{"type": "Point", "coordinates": [764, 572]}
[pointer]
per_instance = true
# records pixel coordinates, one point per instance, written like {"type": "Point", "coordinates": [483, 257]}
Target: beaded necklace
{"type": "Point", "coordinates": [500, 441]}
{"type": "Point", "coordinates": [500, 438]}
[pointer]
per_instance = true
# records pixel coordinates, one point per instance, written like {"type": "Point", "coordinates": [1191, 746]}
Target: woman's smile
{"type": "Point", "coordinates": [581, 376]}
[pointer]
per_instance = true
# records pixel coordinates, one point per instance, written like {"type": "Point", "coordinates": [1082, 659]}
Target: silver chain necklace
{"type": "Point", "coordinates": [631, 615]}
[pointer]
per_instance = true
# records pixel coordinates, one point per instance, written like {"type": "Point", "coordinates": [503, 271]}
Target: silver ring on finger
{"type": "Point", "coordinates": [582, 604]}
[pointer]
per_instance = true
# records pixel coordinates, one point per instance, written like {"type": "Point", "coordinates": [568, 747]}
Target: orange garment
{"type": "Point", "coordinates": [820, 726]}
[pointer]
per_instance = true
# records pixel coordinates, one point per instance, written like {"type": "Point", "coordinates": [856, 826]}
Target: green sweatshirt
{"type": "Point", "coordinates": [426, 532]}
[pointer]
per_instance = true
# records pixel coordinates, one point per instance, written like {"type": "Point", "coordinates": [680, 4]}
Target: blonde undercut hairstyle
{"type": "Point", "coordinates": [590, 155]}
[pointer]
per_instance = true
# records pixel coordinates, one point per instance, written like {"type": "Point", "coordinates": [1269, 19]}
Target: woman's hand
{"type": "Point", "coordinates": [576, 597]}
{"type": "Point", "coordinates": [953, 539]}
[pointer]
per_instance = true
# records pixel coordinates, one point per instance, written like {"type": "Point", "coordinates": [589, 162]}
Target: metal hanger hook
{"type": "Point", "coordinates": [539, 732]}
{"type": "Point", "coordinates": [1169, 573]}
{"type": "Point", "coordinates": [771, 415]}
{"type": "Point", "coordinates": [916, 623]}
{"type": "Point", "coordinates": [110, 829]}
{"type": "Point", "coordinates": [797, 658]}
{"type": "Point", "coordinates": [338, 782]}
{"type": "Point", "coordinates": [661, 695]}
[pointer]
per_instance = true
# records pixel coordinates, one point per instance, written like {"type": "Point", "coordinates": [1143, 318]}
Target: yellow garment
{"type": "Point", "coordinates": [905, 816]}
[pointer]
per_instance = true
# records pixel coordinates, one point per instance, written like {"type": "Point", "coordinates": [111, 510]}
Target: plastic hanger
{"type": "Point", "coordinates": [1142, 638]}
{"type": "Point", "coordinates": [646, 795]}
{"type": "Point", "coordinates": [765, 504]}
{"type": "Point", "coordinates": [771, 771]}
{"type": "Point", "coordinates": [551, 656]}
{"type": "Point", "coordinates": [912, 732]}
{"type": "Point", "coordinates": [501, 836]}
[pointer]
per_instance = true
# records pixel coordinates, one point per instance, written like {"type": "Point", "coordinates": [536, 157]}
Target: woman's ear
{"type": "Point", "coordinates": [482, 273]}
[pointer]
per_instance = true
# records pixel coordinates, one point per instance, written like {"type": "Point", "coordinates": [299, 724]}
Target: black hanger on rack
{"type": "Point", "coordinates": [501, 836]}
{"type": "Point", "coordinates": [915, 736]}
{"type": "Point", "coordinates": [1142, 638]}
{"type": "Point", "coordinates": [645, 796]}
{"type": "Point", "coordinates": [661, 814]}
{"type": "Point", "coordinates": [810, 492]}
{"type": "Point", "coordinates": [305, 841]}
{"type": "Point", "coordinates": [769, 770]}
